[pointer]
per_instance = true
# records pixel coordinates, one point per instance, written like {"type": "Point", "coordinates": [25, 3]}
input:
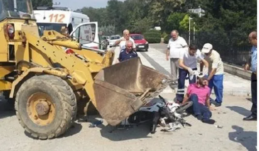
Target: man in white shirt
{"type": "Point", "coordinates": [126, 37]}
{"type": "Point", "coordinates": [216, 72]}
{"type": "Point", "coordinates": [175, 46]}
{"type": "Point", "coordinates": [188, 64]}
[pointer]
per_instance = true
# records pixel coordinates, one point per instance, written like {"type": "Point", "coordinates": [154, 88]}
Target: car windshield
{"type": "Point", "coordinates": [15, 9]}
{"type": "Point", "coordinates": [137, 37]}
{"type": "Point", "coordinates": [115, 37]}
{"type": "Point", "coordinates": [49, 26]}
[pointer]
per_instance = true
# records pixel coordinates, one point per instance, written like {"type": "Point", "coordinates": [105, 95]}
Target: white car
{"type": "Point", "coordinates": [113, 39]}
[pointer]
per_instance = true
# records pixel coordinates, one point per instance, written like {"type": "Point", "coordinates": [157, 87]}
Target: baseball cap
{"type": "Point", "coordinates": [206, 48]}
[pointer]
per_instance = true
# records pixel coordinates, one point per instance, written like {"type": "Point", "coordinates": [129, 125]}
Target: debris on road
{"type": "Point", "coordinates": [96, 123]}
{"type": "Point", "coordinates": [219, 126]}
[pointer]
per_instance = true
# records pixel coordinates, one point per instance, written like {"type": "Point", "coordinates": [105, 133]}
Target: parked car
{"type": "Point", "coordinates": [140, 41]}
{"type": "Point", "coordinates": [113, 39]}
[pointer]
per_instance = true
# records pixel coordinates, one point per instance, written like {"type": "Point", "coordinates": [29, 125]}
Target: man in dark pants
{"type": "Point", "coordinates": [199, 94]}
{"type": "Point", "coordinates": [253, 65]}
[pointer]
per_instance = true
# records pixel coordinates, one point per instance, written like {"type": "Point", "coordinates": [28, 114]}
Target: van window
{"type": "Point", "coordinates": [84, 34]}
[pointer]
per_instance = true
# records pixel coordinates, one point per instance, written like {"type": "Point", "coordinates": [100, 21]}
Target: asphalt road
{"type": "Point", "coordinates": [160, 47]}
{"type": "Point", "coordinates": [235, 134]}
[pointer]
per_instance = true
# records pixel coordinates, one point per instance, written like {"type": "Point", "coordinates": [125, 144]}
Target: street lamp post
{"type": "Point", "coordinates": [194, 30]}
{"type": "Point", "coordinates": [190, 30]}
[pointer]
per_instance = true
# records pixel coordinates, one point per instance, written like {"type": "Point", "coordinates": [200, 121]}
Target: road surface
{"type": "Point", "coordinates": [235, 134]}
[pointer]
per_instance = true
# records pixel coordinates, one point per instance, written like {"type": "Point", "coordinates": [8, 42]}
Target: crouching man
{"type": "Point", "coordinates": [188, 64]}
{"type": "Point", "coordinates": [199, 94]}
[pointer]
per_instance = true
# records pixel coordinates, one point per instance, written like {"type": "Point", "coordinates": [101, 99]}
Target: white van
{"type": "Point", "coordinates": [78, 24]}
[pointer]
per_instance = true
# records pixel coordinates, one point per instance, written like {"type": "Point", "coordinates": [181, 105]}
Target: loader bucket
{"type": "Point", "coordinates": [121, 89]}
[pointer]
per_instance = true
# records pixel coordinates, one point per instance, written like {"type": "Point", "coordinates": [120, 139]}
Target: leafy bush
{"type": "Point", "coordinates": [153, 36]}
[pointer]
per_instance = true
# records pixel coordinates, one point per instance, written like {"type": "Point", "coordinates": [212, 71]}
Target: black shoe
{"type": "Point", "coordinates": [214, 103]}
{"type": "Point", "coordinates": [217, 104]}
{"type": "Point", "coordinates": [208, 121]}
{"type": "Point", "coordinates": [250, 118]}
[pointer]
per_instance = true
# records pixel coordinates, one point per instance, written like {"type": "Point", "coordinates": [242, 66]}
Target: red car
{"type": "Point", "coordinates": [140, 41]}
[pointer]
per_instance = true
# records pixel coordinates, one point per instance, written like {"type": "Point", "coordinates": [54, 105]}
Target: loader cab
{"type": "Point", "coordinates": [13, 16]}
{"type": "Point", "coordinates": [16, 9]}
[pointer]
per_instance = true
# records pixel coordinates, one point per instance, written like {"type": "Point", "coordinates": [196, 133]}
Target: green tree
{"type": "Point", "coordinates": [160, 10]}
{"type": "Point", "coordinates": [136, 17]}
{"type": "Point", "coordinates": [116, 14]}
{"type": "Point", "coordinates": [96, 14]}
{"type": "Point", "coordinates": [141, 26]}
{"type": "Point", "coordinates": [184, 23]}
{"type": "Point", "coordinates": [173, 21]}
{"type": "Point", "coordinates": [36, 3]}
{"type": "Point", "coordinates": [228, 21]}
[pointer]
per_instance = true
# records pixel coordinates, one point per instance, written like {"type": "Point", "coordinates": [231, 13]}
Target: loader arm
{"type": "Point", "coordinates": [78, 70]}
{"type": "Point", "coordinates": [59, 40]}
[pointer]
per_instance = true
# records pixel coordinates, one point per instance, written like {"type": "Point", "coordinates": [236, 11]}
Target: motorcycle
{"type": "Point", "coordinates": [158, 111]}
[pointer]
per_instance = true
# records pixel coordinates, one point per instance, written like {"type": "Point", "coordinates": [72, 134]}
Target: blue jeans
{"type": "Point", "coordinates": [217, 83]}
{"type": "Point", "coordinates": [199, 110]}
{"type": "Point", "coordinates": [181, 83]}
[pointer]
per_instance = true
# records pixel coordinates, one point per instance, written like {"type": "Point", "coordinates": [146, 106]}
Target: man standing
{"type": "Point", "coordinates": [216, 72]}
{"type": "Point", "coordinates": [188, 64]}
{"type": "Point", "coordinates": [126, 37]}
{"type": "Point", "coordinates": [175, 46]}
{"type": "Point", "coordinates": [127, 53]}
{"type": "Point", "coordinates": [253, 64]}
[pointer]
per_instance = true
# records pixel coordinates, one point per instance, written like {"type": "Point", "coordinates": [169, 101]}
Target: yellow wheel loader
{"type": "Point", "coordinates": [47, 76]}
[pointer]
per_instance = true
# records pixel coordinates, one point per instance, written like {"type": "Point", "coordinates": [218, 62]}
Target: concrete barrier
{"type": "Point", "coordinates": [237, 71]}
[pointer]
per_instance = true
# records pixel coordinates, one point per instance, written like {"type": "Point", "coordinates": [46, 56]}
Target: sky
{"type": "Point", "coordinates": [75, 4]}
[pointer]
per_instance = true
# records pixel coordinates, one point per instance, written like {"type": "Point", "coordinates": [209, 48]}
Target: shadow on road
{"type": "Point", "coordinates": [139, 132]}
{"type": "Point", "coordinates": [239, 110]}
{"type": "Point", "coordinates": [247, 139]}
{"type": "Point", "coordinates": [74, 129]}
{"type": "Point", "coordinates": [6, 108]}
{"type": "Point", "coordinates": [249, 99]}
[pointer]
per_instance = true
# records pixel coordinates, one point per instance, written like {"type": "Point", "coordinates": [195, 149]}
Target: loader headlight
{"type": "Point", "coordinates": [10, 31]}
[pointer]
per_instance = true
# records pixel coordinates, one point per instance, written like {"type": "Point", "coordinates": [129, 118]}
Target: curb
{"type": "Point", "coordinates": [237, 71]}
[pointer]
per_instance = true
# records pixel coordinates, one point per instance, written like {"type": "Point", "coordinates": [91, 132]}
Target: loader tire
{"type": "Point", "coordinates": [45, 106]}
